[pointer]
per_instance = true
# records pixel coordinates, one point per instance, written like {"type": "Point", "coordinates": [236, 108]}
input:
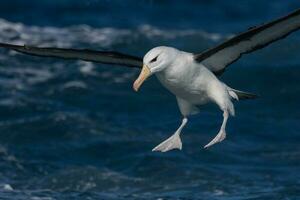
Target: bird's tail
{"type": "Point", "coordinates": [240, 95]}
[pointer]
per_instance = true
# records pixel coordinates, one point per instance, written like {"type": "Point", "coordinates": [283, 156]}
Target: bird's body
{"type": "Point", "coordinates": [193, 85]}
{"type": "Point", "coordinates": [192, 78]}
{"type": "Point", "coordinates": [192, 81]}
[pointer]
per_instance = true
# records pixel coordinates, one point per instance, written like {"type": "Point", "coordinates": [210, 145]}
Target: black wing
{"type": "Point", "coordinates": [219, 57]}
{"type": "Point", "coordinates": [107, 57]}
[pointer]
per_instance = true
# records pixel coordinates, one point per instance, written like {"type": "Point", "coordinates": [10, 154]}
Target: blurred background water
{"type": "Point", "coordinates": [76, 130]}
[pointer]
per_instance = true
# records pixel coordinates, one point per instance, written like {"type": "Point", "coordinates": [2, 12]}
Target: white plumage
{"type": "Point", "coordinates": [192, 84]}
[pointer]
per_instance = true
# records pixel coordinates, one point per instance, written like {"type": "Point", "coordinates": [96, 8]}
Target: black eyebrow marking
{"type": "Point", "coordinates": [154, 59]}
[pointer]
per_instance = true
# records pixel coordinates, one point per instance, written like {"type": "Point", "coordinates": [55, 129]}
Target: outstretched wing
{"type": "Point", "coordinates": [219, 57]}
{"type": "Point", "coordinates": [107, 57]}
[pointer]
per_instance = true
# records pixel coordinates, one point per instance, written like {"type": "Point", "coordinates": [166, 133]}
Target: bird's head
{"type": "Point", "coordinates": [156, 60]}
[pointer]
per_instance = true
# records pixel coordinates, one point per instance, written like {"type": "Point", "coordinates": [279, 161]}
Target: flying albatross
{"type": "Point", "coordinates": [191, 77]}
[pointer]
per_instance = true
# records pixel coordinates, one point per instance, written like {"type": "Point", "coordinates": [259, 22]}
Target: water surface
{"type": "Point", "coordinates": [76, 130]}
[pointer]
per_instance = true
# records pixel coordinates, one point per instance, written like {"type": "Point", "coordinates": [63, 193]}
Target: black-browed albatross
{"type": "Point", "coordinates": [192, 78]}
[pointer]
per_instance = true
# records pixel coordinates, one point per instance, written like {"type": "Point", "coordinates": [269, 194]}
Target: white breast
{"type": "Point", "coordinates": [187, 79]}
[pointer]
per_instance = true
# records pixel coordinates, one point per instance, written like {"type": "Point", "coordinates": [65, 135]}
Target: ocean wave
{"type": "Point", "coordinates": [105, 37]}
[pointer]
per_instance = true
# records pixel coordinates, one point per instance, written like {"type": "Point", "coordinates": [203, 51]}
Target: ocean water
{"type": "Point", "coordinates": [77, 130]}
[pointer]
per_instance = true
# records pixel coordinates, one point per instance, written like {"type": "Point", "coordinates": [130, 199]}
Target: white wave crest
{"type": "Point", "coordinates": [79, 35]}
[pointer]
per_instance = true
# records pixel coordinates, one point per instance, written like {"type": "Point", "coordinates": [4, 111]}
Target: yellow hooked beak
{"type": "Point", "coordinates": [145, 73]}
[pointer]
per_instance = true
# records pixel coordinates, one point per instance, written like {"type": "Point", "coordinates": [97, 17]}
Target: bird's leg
{"type": "Point", "coordinates": [173, 142]}
{"type": "Point", "coordinates": [222, 133]}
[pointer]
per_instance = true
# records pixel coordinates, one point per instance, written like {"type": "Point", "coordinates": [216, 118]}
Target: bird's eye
{"type": "Point", "coordinates": [154, 59]}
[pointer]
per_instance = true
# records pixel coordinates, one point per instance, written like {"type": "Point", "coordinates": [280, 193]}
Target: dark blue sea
{"type": "Point", "coordinates": [77, 130]}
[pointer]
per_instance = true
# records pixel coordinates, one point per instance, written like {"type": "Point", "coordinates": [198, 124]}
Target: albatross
{"type": "Point", "coordinates": [192, 77]}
